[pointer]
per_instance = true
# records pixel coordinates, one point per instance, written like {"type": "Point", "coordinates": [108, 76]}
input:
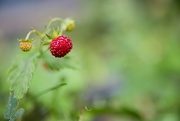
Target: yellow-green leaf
{"type": "Point", "coordinates": [20, 76]}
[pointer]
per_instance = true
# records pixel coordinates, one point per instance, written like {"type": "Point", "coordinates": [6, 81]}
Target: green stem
{"type": "Point", "coordinates": [50, 89]}
{"type": "Point", "coordinates": [33, 31]}
{"type": "Point", "coordinates": [53, 21]}
{"type": "Point", "coordinates": [29, 33]}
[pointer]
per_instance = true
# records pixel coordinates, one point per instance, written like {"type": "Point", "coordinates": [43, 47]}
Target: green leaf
{"type": "Point", "coordinates": [11, 106]}
{"type": "Point", "coordinates": [56, 32]}
{"type": "Point", "coordinates": [49, 37]}
{"type": "Point", "coordinates": [56, 64]}
{"type": "Point", "coordinates": [20, 76]}
{"type": "Point", "coordinates": [18, 114]}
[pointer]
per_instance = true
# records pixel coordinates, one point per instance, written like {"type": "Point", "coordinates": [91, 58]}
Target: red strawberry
{"type": "Point", "coordinates": [60, 46]}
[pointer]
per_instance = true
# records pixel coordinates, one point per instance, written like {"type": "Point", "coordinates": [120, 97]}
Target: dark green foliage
{"type": "Point", "coordinates": [18, 113]}
{"type": "Point", "coordinates": [11, 106]}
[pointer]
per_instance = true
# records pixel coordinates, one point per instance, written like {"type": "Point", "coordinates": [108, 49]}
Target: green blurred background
{"type": "Point", "coordinates": [127, 53]}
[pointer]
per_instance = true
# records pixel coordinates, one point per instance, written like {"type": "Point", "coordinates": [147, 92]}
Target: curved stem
{"type": "Point", "coordinates": [29, 33]}
{"type": "Point", "coordinates": [33, 31]}
{"type": "Point", "coordinates": [53, 21]}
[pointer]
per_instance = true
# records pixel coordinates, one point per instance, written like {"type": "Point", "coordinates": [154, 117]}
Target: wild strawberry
{"type": "Point", "coordinates": [60, 46]}
{"type": "Point", "coordinates": [25, 46]}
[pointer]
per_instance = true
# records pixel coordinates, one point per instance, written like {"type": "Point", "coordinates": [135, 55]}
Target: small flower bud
{"type": "Point", "coordinates": [70, 25]}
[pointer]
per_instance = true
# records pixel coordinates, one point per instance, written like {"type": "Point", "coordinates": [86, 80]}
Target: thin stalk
{"type": "Point", "coordinates": [33, 31]}
{"type": "Point", "coordinates": [50, 89]}
{"type": "Point", "coordinates": [53, 21]}
{"type": "Point", "coordinates": [29, 33]}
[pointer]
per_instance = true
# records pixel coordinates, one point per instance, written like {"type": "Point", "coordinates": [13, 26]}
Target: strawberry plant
{"type": "Point", "coordinates": [20, 74]}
